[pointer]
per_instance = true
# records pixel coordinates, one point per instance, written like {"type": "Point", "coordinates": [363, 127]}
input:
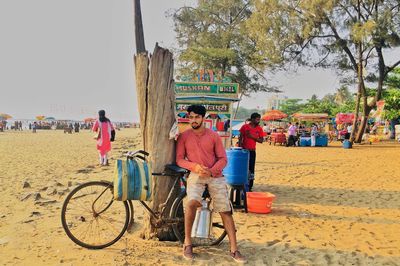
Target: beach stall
{"type": "Point", "coordinates": [344, 118]}
{"type": "Point", "coordinates": [305, 138]}
{"type": "Point", "coordinates": [217, 98]}
{"type": "Point", "coordinates": [278, 136]}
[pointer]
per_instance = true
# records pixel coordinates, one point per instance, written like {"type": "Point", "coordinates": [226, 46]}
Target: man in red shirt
{"type": "Point", "coordinates": [250, 134]}
{"type": "Point", "coordinates": [200, 150]}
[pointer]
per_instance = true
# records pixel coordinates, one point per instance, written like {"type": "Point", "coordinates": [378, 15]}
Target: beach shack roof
{"type": "Point", "coordinates": [311, 117]}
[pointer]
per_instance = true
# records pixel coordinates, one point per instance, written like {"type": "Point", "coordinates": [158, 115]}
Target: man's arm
{"type": "Point", "coordinates": [221, 162]}
{"type": "Point", "coordinates": [248, 134]}
{"type": "Point", "coordinates": [181, 154]}
{"type": "Point", "coordinates": [242, 132]}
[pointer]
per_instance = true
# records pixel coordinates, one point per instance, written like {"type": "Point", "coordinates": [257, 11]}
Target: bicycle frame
{"type": "Point", "coordinates": [161, 215]}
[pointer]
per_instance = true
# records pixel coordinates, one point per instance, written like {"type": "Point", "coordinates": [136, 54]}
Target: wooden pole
{"type": "Point", "coordinates": [156, 103]}
{"type": "Point", "coordinates": [139, 34]}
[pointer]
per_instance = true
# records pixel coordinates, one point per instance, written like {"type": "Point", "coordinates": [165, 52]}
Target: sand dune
{"type": "Point", "coordinates": [333, 206]}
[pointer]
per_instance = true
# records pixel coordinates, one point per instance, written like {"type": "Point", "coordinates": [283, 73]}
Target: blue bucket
{"type": "Point", "coordinates": [347, 144]}
{"type": "Point", "coordinates": [237, 170]}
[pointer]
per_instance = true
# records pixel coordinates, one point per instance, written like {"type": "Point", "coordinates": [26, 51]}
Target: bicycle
{"type": "Point", "coordinates": [92, 218]}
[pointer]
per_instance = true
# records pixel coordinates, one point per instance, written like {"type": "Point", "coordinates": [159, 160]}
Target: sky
{"type": "Point", "coordinates": [69, 59]}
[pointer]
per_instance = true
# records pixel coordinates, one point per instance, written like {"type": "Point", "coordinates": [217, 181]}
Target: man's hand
{"type": "Point", "coordinates": [202, 171]}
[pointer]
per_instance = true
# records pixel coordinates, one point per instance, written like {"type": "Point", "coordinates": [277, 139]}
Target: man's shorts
{"type": "Point", "coordinates": [216, 187]}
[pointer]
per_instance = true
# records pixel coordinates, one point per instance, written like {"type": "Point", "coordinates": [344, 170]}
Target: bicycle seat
{"type": "Point", "coordinates": [176, 169]}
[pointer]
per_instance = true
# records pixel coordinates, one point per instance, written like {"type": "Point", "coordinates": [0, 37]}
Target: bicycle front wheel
{"type": "Point", "coordinates": [91, 218]}
{"type": "Point", "coordinates": [218, 232]}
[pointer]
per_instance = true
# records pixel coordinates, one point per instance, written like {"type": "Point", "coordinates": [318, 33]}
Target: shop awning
{"type": "Point", "coordinates": [311, 117]}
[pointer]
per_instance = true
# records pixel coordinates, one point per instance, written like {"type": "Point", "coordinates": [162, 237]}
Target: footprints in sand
{"type": "Point", "coordinates": [88, 169]}
{"type": "Point", "coordinates": [52, 189]}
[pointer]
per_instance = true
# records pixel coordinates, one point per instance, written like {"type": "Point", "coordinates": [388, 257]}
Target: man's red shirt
{"type": "Point", "coordinates": [248, 143]}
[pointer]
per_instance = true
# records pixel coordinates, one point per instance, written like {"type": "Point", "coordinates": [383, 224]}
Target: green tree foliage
{"type": "Point", "coordinates": [392, 95]}
{"type": "Point", "coordinates": [346, 34]}
{"type": "Point", "coordinates": [291, 106]}
{"type": "Point", "coordinates": [392, 104]}
{"type": "Point", "coordinates": [343, 95]}
{"type": "Point", "coordinates": [244, 113]}
{"type": "Point", "coordinates": [392, 81]}
{"type": "Point", "coordinates": [325, 105]}
{"type": "Point", "coordinates": [212, 36]}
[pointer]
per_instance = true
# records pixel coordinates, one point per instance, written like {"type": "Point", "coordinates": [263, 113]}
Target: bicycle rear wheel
{"type": "Point", "coordinates": [218, 232]}
{"type": "Point", "coordinates": [91, 218]}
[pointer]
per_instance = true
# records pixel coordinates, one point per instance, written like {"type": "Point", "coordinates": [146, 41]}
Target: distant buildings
{"type": "Point", "coordinates": [275, 101]}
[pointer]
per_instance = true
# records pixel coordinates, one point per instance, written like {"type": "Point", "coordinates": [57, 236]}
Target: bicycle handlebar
{"type": "Point", "coordinates": [135, 153]}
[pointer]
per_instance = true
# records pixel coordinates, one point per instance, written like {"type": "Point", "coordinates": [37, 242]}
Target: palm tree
{"type": "Point", "coordinates": [342, 95]}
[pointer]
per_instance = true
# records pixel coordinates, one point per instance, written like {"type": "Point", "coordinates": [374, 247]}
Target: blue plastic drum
{"type": "Point", "coordinates": [237, 169]}
{"type": "Point", "coordinates": [347, 144]}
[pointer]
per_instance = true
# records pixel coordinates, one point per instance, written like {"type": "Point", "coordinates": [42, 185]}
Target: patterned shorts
{"type": "Point", "coordinates": [216, 187]}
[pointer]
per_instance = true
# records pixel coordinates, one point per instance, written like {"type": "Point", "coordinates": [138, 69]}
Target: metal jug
{"type": "Point", "coordinates": [202, 223]}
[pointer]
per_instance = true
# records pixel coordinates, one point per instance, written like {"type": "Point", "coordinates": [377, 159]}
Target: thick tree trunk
{"type": "Point", "coordinates": [356, 111]}
{"type": "Point", "coordinates": [361, 129]}
{"type": "Point", "coordinates": [156, 101]}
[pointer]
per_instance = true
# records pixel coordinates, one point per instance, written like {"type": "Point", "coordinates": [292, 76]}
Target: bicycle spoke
{"type": "Point", "coordinates": [109, 224]}
{"type": "Point", "coordinates": [91, 218]}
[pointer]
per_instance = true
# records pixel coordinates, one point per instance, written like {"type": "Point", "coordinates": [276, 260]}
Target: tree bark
{"type": "Point", "coordinates": [156, 102]}
{"type": "Point", "coordinates": [360, 90]}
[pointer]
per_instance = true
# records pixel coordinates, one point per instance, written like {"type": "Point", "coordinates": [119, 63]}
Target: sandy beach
{"type": "Point", "coordinates": [333, 206]}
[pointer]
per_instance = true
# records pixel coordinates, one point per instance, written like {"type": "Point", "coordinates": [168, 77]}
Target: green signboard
{"type": "Point", "coordinates": [211, 107]}
{"type": "Point", "coordinates": [207, 88]}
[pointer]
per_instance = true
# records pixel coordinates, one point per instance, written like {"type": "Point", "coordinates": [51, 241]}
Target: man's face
{"type": "Point", "coordinates": [256, 120]}
{"type": "Point", "coordinates": [195, 120]}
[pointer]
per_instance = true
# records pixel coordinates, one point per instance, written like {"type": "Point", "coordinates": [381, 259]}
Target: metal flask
{"type": "Point", "coordinates": [202, 223]}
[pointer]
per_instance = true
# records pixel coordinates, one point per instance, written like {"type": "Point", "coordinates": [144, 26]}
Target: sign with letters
{"type": "Point", "coordinates": [211, 107]}
{"type": "Point", "coordinates": [207, 88]}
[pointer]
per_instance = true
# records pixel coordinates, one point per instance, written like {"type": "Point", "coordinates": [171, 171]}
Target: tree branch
{"type": "Point", "coordinates": [240, 11]}
{"type": "Point", "coordinates": [342, 43]}
{"type": "Point", "coordinates": [348, 12]}
{"type": "Point", "coordinates": [390, 68]}
{"type": "Point", "coordinates": [359, 12]}
{"type": "Point", "coordinates": [368, 56]}
{"type": "Point", "coordinates": [325, 57]}
{"type": "Point", "coordinates": [381, 77]}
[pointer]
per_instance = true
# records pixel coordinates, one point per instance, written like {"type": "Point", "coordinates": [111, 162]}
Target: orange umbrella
{"type": "Point", "coordinates": [40, 117]}
{"type": "Point", "coordinates": [89, 119]}
{"type": "Point", "coordinates": [4, 116]}
{"type": "Point", "coordinates": [273, 115]}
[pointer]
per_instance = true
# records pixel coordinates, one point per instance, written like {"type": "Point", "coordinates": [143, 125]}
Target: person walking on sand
{"type": "Point", "coordinates": [103, 126]}
{"type": "Point", "coordinates": [250, 134]}
{"type": "Point", "coordinates": [292, 131]}
{"type": "Point", "coordinates": [314, 132]}
{"type": "Point", "coordinates": [34, 127]}
{"type": "Point", "coordinates": [201, 151]}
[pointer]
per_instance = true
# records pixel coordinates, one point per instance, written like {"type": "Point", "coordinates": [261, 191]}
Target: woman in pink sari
{"type": "Point", "coordinates": [103, 126]}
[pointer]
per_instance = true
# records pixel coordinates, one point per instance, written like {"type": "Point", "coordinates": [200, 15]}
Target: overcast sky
{"type": "Point", "coordinates": [70, 58]}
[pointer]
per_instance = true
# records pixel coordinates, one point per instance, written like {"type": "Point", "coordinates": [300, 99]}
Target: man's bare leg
{"type": "Point", "coordinates": [229, 225]}
{"type": "Point", "coordinates": [190, 214]}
